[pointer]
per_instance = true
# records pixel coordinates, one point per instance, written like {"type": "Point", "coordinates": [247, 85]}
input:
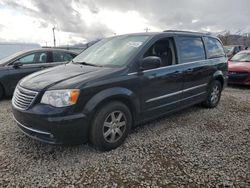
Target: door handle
{"type": "Point", "coordinates": [189, 70]}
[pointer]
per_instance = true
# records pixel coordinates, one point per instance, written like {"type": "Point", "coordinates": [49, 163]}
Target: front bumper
{"type": "Point", "coordinates": [239, 78]}
{"type": "Point", "coordinates": [53, 128]}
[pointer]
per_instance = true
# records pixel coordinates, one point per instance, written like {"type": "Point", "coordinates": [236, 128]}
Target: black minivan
{"type": "Point", "coordinates": [118, 83]}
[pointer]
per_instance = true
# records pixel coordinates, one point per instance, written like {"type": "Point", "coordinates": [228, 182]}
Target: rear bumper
{"type": "Point", "coordinates": [55, 129]}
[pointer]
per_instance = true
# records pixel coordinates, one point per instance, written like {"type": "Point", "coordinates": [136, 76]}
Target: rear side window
{"type": "Point", "coordinates": [214, 48]}
{"type": "Point", "coordinates": [191, 49]}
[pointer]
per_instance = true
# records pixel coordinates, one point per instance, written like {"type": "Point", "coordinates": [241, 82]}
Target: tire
{"type": "Point", "coordinates": [1, 92]}
{"type": "Point", "coordinates": [214, 94]}
{"type": "Point", "coordinates": [110, 126]}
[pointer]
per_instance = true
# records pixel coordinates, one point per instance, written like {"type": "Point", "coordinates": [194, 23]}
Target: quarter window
{"type": "Point", "coordinates": [214, 48]}
{"type": "Point", "coordinates": [191, 49]}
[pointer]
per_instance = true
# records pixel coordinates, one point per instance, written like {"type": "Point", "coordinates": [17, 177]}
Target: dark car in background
{"type": "Point", "coordinates": [118, 83]}
{"type": "Point", "coordinates": [21, 64]}
{"type": "Point", "coordinates": [239, 68]}
{"type": "Point", "coordinates": [231, 50]}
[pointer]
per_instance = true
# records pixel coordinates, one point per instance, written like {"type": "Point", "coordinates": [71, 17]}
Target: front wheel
{"type": "Point", "coordinates": [214, 94]}
{"type": "Point", "coordinates": [110, 126]}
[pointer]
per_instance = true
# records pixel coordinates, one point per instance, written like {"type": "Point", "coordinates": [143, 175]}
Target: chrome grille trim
{"type": "Point", "coordinates": [23, 98]}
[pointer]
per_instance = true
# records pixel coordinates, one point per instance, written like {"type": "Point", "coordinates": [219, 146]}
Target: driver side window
{"type": "Point", "coordinates": [28, 59]}
{"type": "Point", "coordinates": [163, 49]}
{"type": "Point", "coordinates": [38, 57]}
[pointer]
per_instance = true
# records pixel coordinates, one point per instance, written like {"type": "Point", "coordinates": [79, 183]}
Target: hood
{"type": "Point", "coordinates": [239, 66]}
{"type": "Point", "coordinates": [63, 75]}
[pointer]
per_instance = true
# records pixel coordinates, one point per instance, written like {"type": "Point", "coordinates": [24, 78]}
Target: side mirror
{"type": "Point", "coordinates": [17, 64]}
{"type": "Point", "coordinates": [150, 62]}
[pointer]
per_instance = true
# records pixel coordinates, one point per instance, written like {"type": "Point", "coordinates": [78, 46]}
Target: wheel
{"type": "Point", "coordinates": [214, 94]}
{"type": "Point", "coordinates": [1, 92]}
{"type": "Point", "coordinates": [110, 126]}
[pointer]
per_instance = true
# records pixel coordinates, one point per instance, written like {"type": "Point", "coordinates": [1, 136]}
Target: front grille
{"type": "Point", "coordinates": [23, 98]}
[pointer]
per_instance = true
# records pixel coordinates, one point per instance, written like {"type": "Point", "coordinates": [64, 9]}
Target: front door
{"type": "Point", "coordinates": [30, 63]}
{"type": "Point", "coordinates": [160, 91]}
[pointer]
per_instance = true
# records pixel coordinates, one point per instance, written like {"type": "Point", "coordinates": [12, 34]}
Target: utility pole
{"type": "Point", "coordinates": [53, 29]}
{"type": "Point", "coordinates": [146, 29]}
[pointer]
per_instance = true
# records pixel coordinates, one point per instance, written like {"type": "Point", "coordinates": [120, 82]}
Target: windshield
{"type": "Point", "coordinates": [114, 52]}
{"type": "Point", "coordinates": [241, 57]}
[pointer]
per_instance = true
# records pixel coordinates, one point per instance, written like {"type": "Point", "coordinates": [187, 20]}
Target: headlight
{"type": "Point", "coordinates": [60, 98]}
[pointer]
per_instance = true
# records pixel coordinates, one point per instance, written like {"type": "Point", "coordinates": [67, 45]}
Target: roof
{"type": "Point", "coordinates": [48, 49]}
{"type": "Point", "coordinates": [172, 32]}
{"type": "Point", "coordinates": [185, 32]}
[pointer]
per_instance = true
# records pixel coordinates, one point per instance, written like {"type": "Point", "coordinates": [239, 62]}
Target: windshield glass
{"type": "Point", "coordinates": [114, 52]}
{"type": "Point", "coordinates": [241, 57]}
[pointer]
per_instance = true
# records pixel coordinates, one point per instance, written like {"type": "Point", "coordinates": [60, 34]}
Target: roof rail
{"type": "Point", "coordinates": [182, 31]}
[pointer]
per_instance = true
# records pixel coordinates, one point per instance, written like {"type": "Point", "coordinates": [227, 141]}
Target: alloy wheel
{"type": "Point", "coordinates": [215, 94]}
{"type": "Point", "coordinates": [114, 126]}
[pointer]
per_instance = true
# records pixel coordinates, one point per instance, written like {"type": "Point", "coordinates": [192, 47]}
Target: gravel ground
{"type": "Point", "coordinates": [196, 147]}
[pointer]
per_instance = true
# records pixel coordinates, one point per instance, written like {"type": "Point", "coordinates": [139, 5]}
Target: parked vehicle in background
{"type": "Point", "coordinates": [8, 48]}
{"type": "Point", "coordinates": [21, 64]}
{"type": "Point", "coordinates": [119, 83]}
{"type": "Point", "coordinates": [78, 48]}
{"type": "Point", "coordinates": [239, 68]}
{"type": "Point", "coordinates": [233, 49]}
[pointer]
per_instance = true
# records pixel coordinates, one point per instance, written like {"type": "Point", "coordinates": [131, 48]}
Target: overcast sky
{"type": "Point", "coordinates": [79, 21]}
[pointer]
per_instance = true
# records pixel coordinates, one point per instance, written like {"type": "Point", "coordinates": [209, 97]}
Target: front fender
{"type": "Point", "coordinates": [115, 93]}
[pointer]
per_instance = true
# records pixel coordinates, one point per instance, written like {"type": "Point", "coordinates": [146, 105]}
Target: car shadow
{"type": "Point", "coordinates": [244, 87]}
{"type": "Point", "coordinates": [6, 98]}
{"type": "Point", "coordinates": [166, 117]}
{"type": "Point", "coordinates": [55, 151]}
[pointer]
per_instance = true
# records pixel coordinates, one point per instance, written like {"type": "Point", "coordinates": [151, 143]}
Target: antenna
{"type": "Point", "coordinates": [53, 29]}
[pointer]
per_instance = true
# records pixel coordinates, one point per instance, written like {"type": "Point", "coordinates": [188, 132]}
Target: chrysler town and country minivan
{"type": "Point", "coordinates": [118, 83]}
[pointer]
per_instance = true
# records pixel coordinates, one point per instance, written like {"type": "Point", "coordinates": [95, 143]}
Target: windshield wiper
{"type": "Point", "coordinates": [88, 64]}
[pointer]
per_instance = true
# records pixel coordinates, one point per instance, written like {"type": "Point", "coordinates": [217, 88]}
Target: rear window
{"type": "Point", "coordinates": [214, 48]}
{"type": "Point", "coordinates": [191, 49]}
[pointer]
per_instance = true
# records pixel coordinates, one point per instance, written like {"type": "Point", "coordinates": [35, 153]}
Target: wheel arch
{"type": "Point", "coordinates": [218, 75]}
{"type": "Point", "coordinates": [123, 95]}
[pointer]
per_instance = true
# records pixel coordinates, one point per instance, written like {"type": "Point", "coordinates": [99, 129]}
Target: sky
{"type": "Point", "coordinates": [80, 21]}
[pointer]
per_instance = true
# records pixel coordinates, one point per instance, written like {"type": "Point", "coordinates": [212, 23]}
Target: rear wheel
{"type": "Point", "coordinates": [214, 94]}
{"type": "Point", "coordinates": [1, 92]}
{"type": "Point", "coordinates": [111, 126]}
